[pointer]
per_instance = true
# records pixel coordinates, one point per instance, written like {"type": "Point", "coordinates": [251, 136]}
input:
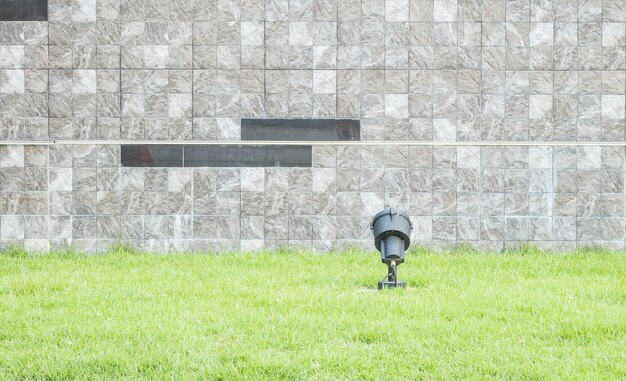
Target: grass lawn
{"type": "Point", "coordinates": [301, 316]}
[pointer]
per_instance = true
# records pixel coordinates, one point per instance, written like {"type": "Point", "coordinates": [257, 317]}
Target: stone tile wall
{"type": "Point", "coordinates": [526, 76]}
{"type": "Point", "coordinates": [489, 197]}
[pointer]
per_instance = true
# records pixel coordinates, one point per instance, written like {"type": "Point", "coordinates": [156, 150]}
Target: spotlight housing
{"type": "Point", "coordinates": [392, 230]}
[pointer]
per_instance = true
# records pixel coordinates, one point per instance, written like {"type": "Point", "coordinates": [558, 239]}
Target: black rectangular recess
{"type": "Point", "coordinates": [301, 129]}
{"type": "Point", "coordinates": [248, 156]}
{"type": "Point", "coordinates": [154, 155]}
{"type": "Point", "coordinates": [215, 155]}
{"type": "Point", "coordinates": [23, 10]}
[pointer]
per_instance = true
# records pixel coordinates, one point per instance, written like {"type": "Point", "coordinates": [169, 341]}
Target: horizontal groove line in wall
{"type": "Point", "coordinates": [312, 143]}
{"type": "Point", "coordinates": [26, 143]}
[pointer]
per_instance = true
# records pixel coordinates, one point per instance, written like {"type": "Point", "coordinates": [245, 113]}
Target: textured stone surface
{"type": "Point", "coordinates": [410, 70]}
{"type": "Point", "coordinates": [490, 197]}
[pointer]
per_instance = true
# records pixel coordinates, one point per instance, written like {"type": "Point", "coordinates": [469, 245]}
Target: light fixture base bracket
{"type": "Point", "coordinates": [391, 284]}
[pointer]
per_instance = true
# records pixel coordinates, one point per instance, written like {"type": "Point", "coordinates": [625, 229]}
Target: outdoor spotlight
{"type": "Point", "coordinates": [391, 229]}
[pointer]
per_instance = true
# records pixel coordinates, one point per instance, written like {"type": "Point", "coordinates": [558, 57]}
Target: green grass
{"type": "Point", "coordinates": [300, 316]}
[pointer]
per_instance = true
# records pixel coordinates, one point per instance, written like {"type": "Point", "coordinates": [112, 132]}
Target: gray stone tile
{"type": "Point", "coordinates": [83, 227]}
{"type": "Point", "coordinates": [276, 227]}
{"type": "Point", "coordinates": [444, 228]}
{"type": "Point", "coordinates": [60, 227]}
{"type": "Point", "coordinates": [35, 202]}
{"type": "Point", "coordinates": [370, 180]}
{"type": "Point", "coordinates": [156, 227]}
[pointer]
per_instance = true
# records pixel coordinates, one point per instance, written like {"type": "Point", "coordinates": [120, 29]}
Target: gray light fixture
{"type": "Point", "coordinates": [392, 231]}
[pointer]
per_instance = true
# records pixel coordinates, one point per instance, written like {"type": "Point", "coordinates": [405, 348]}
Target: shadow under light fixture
{"type": "Point", "coordinates": [392, 230]}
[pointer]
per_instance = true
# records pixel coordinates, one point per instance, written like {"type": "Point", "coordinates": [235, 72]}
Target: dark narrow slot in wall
{"type": "Point", "coordinates": [23, 10]}
{"type": "Point", "coordinates": [142, 155]}
{"type": "Point", "coordinates": [301, 129]}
